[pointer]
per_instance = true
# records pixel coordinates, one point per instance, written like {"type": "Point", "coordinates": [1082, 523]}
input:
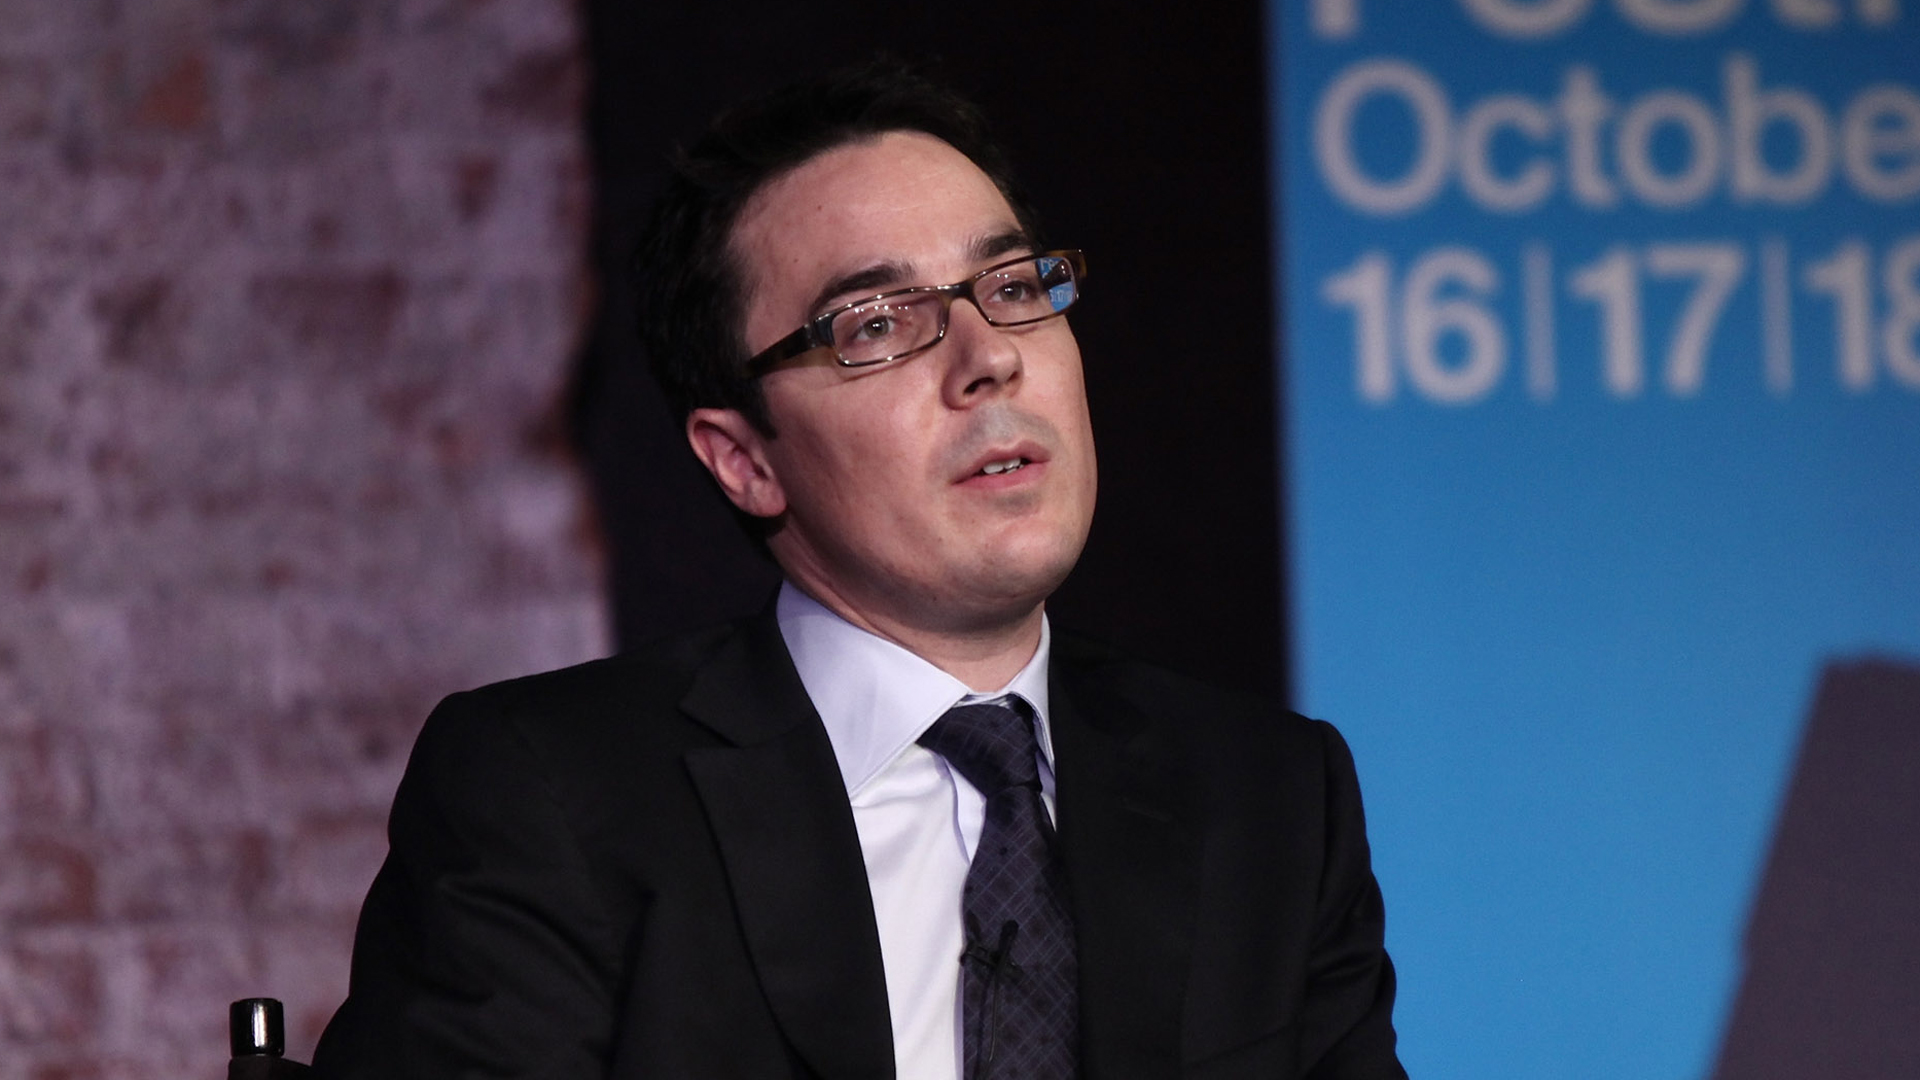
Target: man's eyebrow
{"type": "Point", "coordinates": [1002, 243]}
{"type": "Point", "coordinates": [863, 282]}
{"type": "Point", "coordinates": [884, 275]}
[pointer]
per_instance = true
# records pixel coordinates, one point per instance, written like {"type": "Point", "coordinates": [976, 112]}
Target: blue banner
{"type": "Point", "coordinates": [1602, 399]}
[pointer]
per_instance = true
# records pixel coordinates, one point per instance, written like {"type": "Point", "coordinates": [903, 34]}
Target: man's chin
{"type": "Point", "coordinates": [1008, 589]}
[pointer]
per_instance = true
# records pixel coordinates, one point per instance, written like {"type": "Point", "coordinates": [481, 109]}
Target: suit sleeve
{"type": "Point", "coordinates": [1347, 1022]}
{"type": "Point", "coordinates": [481, 948]}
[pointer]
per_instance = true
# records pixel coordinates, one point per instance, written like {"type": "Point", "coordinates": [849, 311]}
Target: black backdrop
{"type": "Point", "coordinates": [1156, 164]}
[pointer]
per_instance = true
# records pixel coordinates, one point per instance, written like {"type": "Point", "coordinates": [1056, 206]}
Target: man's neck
{"type": "Point", "coordinates": [984, 657]}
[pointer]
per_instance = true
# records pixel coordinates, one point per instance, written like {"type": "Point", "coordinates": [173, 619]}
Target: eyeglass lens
{"type": "Point", "coordinates": [1021, 292]}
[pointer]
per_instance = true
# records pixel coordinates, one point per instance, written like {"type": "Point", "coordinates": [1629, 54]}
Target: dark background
{"type": "Point", "coordinates": [1155, 162]}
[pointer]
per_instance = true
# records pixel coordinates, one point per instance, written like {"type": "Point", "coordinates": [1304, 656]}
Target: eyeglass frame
{"type": "Point", "coordinates": [816, 333]}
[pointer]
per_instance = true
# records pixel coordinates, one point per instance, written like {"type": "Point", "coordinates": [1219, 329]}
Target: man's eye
{"type": "Point", "coordinates": [1013, 290]}
{"type": "Point", "coordinates": [874, 327]}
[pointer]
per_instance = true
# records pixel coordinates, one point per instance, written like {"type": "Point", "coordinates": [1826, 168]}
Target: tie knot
{"type": "Point", "coordinates": [991, 744]}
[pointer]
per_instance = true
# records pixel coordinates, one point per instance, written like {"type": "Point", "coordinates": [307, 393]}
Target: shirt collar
{"type": "Point", "coordinates": [875, 697]}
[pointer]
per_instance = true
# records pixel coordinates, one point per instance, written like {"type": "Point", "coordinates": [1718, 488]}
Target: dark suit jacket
{"type": "Point", "coordinates": [647, 867]}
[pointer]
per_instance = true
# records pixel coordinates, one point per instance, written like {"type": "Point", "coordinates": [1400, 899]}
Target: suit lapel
{"type": "Point", "coordinates": [779, 813]}
{"type": "Point", "coordinates": [1132, 864]}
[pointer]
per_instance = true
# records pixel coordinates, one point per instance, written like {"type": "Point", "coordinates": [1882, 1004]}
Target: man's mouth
{"type": "Point", "coordinates": [994, 463]}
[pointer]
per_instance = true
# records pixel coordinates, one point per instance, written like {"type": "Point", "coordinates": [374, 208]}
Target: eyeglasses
{"type": "Point", "coordinates": [896, 324]}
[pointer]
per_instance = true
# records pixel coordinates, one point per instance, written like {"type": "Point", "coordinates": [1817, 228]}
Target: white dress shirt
{"type": "Point", "coordinates": [918, 821]}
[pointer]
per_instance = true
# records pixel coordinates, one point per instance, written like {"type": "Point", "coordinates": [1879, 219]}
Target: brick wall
{"type": "Point", "coordinates": [287, 294]}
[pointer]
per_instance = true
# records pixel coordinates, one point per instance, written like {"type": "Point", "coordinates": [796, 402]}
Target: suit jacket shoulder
{"type": "Point", "coordinates": [1219, 840]}
{"type": "Point", "coordinates": [576, 886]}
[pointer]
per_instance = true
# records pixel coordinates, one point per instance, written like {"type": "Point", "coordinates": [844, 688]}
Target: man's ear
{"type": "Point", "coordinates": [734, 451]}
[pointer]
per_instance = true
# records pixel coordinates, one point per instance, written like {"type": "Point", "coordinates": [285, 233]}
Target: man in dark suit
{"type": "Point", "coordinates": [895, 826]}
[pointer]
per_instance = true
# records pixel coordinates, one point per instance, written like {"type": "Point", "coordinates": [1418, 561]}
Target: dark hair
{"type": "Point", "coordinates": [690, 294]}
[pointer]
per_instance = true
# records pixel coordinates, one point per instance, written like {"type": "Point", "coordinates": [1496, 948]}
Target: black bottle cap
{"type": "Point", "coordinates": [258, 1028]}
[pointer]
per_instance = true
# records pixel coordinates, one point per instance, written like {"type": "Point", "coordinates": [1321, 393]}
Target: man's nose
{"type": "Point", "coordinates": [982, 359]}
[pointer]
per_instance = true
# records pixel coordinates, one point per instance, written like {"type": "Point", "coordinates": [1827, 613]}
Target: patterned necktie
{"type": "Point", "coordinates": [1019, 989]}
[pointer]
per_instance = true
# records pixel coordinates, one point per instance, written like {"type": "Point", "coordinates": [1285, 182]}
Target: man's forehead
{"type": "Point", "coordinates": [873, 213]}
